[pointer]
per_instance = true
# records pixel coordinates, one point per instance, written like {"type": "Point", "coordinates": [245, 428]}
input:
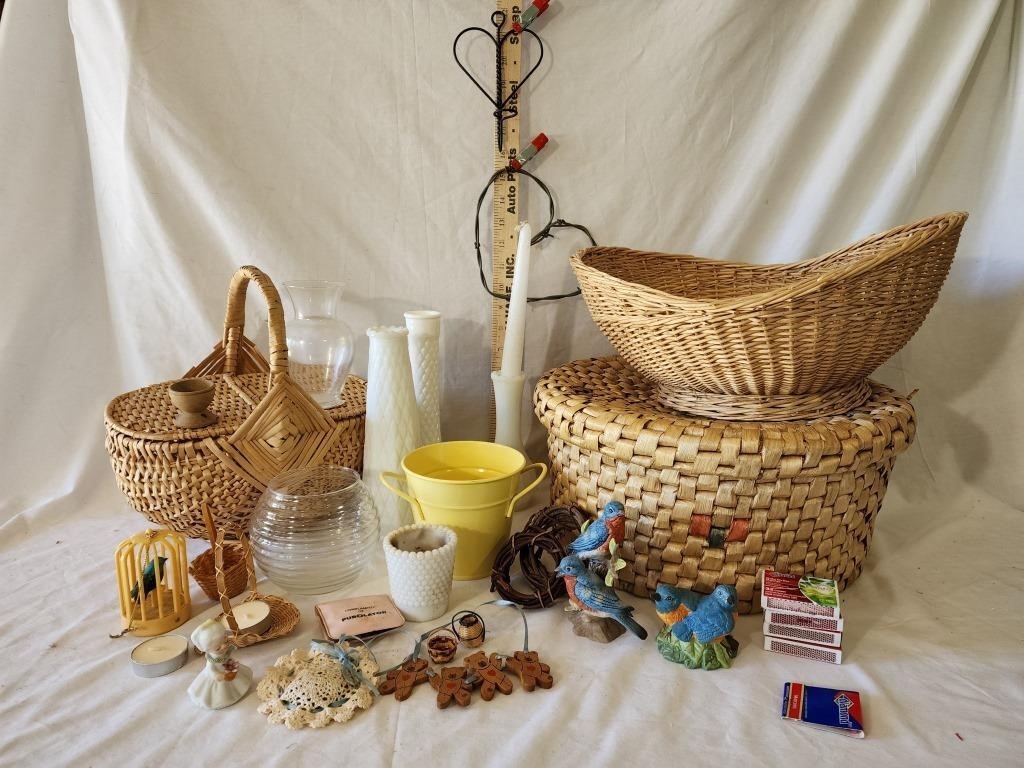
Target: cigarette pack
{"type": "Point", "coordinates": [803, 650]}
{"type": "Point", "coordinates": [800, 594]}
{"type": "Point", "coordinates": [803, 621]}
{"type": "Point", "coordinates": [792, 632]}
{"type": "Point", "coordinates": [828, 708]}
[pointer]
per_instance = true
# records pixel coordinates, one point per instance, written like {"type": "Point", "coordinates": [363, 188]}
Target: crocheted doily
{"type": "Point", "coordinates": [308, 688]}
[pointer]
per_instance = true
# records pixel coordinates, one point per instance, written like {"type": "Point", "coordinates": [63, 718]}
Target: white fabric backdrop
{"type": "Point", "coordinates": [147, 149]}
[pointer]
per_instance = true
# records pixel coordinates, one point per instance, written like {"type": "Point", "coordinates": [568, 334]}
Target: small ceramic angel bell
{"type": "Point", "coordinates": [223, 681]}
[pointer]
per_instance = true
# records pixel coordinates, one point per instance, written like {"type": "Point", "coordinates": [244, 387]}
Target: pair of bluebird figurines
{"type": "Point", "coordinates": [697, 627]}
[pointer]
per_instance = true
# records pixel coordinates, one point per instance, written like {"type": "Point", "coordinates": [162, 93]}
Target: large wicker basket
{"type": "Point", "coordinates": [775, 341]}
{"type": "Point", "coordinates": [266, 424]}
{"type": "Point", "coordinates": [713, 502]}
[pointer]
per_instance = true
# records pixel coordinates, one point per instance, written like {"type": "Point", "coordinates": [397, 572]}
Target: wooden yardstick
{"type": "Point", "coordinates": [506, 191]}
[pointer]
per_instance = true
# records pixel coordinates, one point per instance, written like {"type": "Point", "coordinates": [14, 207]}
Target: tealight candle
{"type": "Point", "coordinates": [159, 655]}
{"type": "Point", "coordinates": [252, 616]}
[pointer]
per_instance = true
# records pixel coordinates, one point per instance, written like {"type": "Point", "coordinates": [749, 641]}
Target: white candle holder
{"type": "Point", "coordinates": [421, 564]}
{"type": "Point", "coordinates": [508, 409]}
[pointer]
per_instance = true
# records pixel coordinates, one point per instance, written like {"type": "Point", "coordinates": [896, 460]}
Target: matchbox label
{"type": "Point", "coordinates": [800, 594]}
{"type": "Point", "coordinates": [828, 708]}
{"type": "Point", "coordinates": [796, 701]}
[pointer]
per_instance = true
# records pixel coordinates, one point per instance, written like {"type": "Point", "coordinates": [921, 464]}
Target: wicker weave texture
{"type": "Point", "coordinates": [266, 425]}
{"type": "Point", "coordinates": [775, 335]}
{"type": "Point", "coordinates": [235, 572]}
{"type": "Point", "coordinates": [284, 616]}
{"type": "Point", "coordinates": [714, 502]}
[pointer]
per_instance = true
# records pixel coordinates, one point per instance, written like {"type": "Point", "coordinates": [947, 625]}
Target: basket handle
{"type": "Point", "coordinates": [234, 320]}
{"type": "Point", "coordinates": [217, 543]}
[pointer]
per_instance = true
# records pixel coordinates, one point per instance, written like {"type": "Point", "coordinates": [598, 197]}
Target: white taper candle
{"type": "Point", "coordinates": [515, 325]}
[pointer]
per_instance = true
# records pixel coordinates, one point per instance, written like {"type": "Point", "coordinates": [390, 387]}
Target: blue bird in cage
{"type": "Point", "coordinates": [152, 574]}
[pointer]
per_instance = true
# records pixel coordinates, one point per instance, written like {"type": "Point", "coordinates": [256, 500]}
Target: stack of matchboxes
{"type": "Point", "coordinates": [802, 617]}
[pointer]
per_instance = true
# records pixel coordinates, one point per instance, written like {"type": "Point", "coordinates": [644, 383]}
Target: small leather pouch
{"type": "Point", "coordinates": [362, 616]}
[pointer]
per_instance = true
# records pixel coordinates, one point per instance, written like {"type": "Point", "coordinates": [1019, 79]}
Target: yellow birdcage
{"type": "Point", "coordinates": [152, 582]}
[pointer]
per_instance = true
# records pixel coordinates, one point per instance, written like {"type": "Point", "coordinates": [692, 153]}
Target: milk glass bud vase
{"type": "Point", "coordinates": [424, 353]}
{"type": "Point", "coordinates": [319, 342]}
{"type": "Point", "coordinates": [392, 420]}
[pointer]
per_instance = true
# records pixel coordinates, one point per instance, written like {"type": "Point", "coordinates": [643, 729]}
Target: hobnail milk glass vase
{"type": "Point", "coordinates": [424, 352]}
{"type": "Point", "coordinates": [392, 419]}
{"type": "Point", "coordinates": [319, 342]}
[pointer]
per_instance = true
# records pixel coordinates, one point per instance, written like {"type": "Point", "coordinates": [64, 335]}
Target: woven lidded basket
{"type": "Point", "coordinates": [776, 341]}
{"type": "Point", "coordinates": [713, 502]}
{"type": "Point", "coordinates": [266, 424]}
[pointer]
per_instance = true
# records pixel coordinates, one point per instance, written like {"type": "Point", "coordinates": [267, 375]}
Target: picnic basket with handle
{"type": "Point", "coordinates": [266, 425]}
{"type": "Point", "coordinates": [772, 341]}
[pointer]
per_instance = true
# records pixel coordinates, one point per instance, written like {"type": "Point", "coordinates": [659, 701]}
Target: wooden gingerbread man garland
{"type": "Point", "coordinates": [456, 683]}
{"type": "Point", "coordinates": [531, 671]}
{"type": "Point", "coordinates": [488, 670]}
{"type": "Point", "coordinates": [401, 681]}
{"type": "Point", "coordinates": [450, 684]}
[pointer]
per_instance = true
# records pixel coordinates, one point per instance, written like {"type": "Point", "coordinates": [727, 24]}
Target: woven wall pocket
{"type": "Point", "coordinates": [713, 502]}
{"type": "Point", "coordinates": [266, 424]}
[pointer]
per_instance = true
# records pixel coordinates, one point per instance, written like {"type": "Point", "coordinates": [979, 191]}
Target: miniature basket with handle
{"type": "Point", "coordinates": [266, 424]}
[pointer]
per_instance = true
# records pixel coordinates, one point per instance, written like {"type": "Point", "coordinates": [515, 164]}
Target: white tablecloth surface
{"type": "Point", "coordinates": [932, 643]}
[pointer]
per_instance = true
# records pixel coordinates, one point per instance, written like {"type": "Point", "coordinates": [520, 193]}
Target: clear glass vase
{"type": "Point", "coordinates": [315, 529]}
{"type": "Point", "coordinates": [320, 343]}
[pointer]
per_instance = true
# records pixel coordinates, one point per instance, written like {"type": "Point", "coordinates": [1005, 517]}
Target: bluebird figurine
{"type": "Point", "coordinates": [597, 539]}
{"type": "Point", "coordinates": [697, 627]}
{"type": "Point", "coordinates": [588, 593]}
{"type": "Point", "coordinates": [712, 619]}
{"type": "Point", "coordinates": [674, 603]}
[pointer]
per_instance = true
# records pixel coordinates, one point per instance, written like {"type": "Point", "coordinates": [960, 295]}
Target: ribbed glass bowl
{"type": "Point", "coordinates": [314, 529]}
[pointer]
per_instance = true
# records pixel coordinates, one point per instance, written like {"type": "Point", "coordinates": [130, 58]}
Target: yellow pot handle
{"type": "Point", "coordinates": [416, 511]}
{"type": "Point", "coordinates": [543, 473]}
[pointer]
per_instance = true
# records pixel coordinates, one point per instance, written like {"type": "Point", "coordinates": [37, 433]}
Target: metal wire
{"type": "Point", "coordinates": [503, 108]}
{"type": "Point", "coordinates": [543, 233]}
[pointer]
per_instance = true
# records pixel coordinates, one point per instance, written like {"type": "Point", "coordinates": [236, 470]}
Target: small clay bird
{"type": "Point", "coordinates": [588, 593]}
{"type": "Point", "coordinates": [712, 619]}
{"type": "Point", "coordinates": [596, 540]}
{"type": "Point", "coordinates": [149, 578]}
{"type": "Point", "coordinates": [674, 604]}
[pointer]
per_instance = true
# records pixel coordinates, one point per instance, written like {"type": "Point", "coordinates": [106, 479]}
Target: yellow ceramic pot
{"type": "Point", "coordinates": [470, 487]}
